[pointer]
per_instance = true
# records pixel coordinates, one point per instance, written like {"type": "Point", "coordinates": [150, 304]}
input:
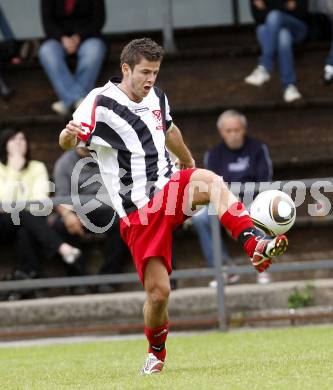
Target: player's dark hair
{"type": "Point", "coordinates": [137, 49]}
{"type": "Point", "coordinates": [5, 136]}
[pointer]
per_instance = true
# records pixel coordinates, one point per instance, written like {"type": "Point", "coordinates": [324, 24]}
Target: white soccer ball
{"type": "Point", "coordinates": [273, 211]}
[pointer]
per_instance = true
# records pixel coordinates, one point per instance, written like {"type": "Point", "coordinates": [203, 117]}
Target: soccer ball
{"type": "Point", "coordinates": [273, 211]}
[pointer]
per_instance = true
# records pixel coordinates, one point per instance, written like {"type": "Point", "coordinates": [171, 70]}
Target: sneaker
{"type": "Point", "coordinates": [16, 60]}
{"type": "Point", "coordinates": [258, 77]}
{"type": "Point", "coordinates": [152, 365]}
{"type": "Point", "coordinates": [328, 74]}
{"type": "Point", "coordinates": [228, 279]}
{"type": "Point", "coordinates": [267, 248]}
{"type": "Point", "coordinates": [60, 108]}
{"type": "Point", "coordinates": [232, 278]}
{"type": "Point", "coordinates": [291, 93]}
{"type": "Point", "coordinates": [264, 278]}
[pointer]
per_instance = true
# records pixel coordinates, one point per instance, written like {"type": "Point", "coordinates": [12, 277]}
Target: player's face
{"type": "Point", "coordinates": [233, 132]}
{"type": "Point", "coordinates": [141, 79]}
{"type": "Point", "coordinates": [17, 145]}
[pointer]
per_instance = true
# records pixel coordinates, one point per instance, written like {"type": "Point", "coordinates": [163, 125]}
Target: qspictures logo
{"type": "Point", "coordinates": [313, 196]}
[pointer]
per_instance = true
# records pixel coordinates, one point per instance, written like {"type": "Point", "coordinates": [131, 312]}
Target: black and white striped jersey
{"type": "Point", "coordinates": [128, 141]}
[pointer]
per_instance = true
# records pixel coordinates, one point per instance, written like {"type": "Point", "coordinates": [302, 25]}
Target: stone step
{"type": "Point", "coordinates": [200, 81]}
{"type": "Point", "coordinates": [199, 87]}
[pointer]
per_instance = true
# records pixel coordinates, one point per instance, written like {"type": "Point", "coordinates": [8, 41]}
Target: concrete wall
{"type": "Point", "coordinates": [132, 15]}
{"type": "Point", "coordinates": [126, 308]}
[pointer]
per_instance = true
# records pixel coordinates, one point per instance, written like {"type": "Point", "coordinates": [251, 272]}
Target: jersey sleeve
{"type": "Point", "coordinates": [85, 115]}
{"type": "Point", "coordinates": [168, 117]}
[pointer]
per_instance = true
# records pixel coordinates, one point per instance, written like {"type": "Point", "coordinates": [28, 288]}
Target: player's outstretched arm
{"type": "Point", "coordinates": [175, 143]}
{"type": "Point", "coordinates": [69, 136]}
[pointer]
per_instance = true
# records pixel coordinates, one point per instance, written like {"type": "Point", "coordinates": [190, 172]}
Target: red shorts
{"type": "Point", "coordinates": [148, 231]}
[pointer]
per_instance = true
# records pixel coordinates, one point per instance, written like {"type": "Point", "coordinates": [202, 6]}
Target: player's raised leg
{"type": "Point", "coordinates": [157, 287]}
{"type": "Point", "coordinates": [206, 187]}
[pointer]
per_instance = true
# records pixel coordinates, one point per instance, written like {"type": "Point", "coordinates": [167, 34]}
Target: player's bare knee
{"type": "Point", "coordinates": [158, 294]}
{"type": "Point", "coordinates": [201, 183]}
{"type": "Point", "coordinates": [217, 180]}
{"type": "Point", "coordinates": [215, 183]}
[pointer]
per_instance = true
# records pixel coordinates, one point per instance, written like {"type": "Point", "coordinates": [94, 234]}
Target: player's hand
{"type": "Point", "coordinates": [69, 135]}
{"type": "Point", "coordinates": [74, 128]}
{"type": "Point", "coordinates": [185, 164]}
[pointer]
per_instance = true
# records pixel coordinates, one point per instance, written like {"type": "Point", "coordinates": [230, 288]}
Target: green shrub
{"type": "Point", "coordinates": [298, 298]}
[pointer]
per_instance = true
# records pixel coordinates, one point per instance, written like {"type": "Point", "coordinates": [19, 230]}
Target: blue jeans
{"type": "Point", "coordinates": [201, 222]}
{"type": "Point", "coordinates": [276, 37]}
{"type": "Point", "coordinates": [5, 28]}
{"type": "Point", "coordinates": [69, 86]}
{"type": "Point", "coordinates": [329, 59]}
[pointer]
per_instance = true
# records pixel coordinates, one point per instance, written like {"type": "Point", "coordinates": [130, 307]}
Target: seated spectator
{"type": "Point", "coordinates": [24, 179]}
{"type": "Point", "coordinates": [70, 225]}
{"type": "Point", "coordinates": [72, 27]}
{"type": "Point", "coordinates": [280, 24]}
{"type": "Point", "coordinates": [238, 158]}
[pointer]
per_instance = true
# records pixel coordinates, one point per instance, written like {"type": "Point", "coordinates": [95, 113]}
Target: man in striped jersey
{"type": "Point", "coordinates": [127, 126]}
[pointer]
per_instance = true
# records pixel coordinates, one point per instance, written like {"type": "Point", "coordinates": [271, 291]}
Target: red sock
{"type": "Point", "coordinates": [237, 219]}
{"type": "Point", "coordinates": [157, 338]}
{"type": "Point", "coordinates": [250, 245]}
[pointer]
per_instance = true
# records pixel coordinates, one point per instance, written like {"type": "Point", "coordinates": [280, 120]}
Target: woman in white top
{"type": "Point", "coordinates": [24, 179]}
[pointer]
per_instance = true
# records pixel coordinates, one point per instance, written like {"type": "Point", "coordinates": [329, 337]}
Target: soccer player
{"type": "Point", "coordinates": [127, 126]}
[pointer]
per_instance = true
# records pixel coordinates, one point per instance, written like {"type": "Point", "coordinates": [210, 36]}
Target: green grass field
{"type": "Point", "coordinates": [296, 358]}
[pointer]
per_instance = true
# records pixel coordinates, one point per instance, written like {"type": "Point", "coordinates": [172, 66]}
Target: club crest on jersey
{"type": "Point", "coordinates": [157, 114]}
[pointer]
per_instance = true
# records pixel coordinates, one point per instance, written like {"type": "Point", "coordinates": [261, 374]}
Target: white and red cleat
{"type": "Point", "coordinates": [152, 365]}
{"type": "Point", "coordinates": [267, 248]}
